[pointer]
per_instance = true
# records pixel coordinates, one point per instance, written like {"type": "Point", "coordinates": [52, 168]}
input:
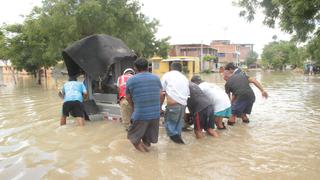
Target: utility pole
{"type": "Point", "coordinates": [201, 56]}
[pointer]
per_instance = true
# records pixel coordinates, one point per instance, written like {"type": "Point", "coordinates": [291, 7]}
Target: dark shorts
{"type": "Point", "coordinates": [75, 108]}
{"type": "Point", "coordinates": [242, 107]}
{"type": "Point", "coordinates": [204, 119]}
{"type": "Point", "coordinates": [147, 131]}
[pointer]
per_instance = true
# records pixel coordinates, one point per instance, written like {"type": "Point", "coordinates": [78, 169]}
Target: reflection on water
{"type": "Point", "coordinates": [281, 141]}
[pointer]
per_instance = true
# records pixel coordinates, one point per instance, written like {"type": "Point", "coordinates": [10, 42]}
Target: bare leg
{"type": "Point", "coordinates": [63, 120]}
{"type": "Point", "coordinates": [232, 119]}
{"type": "Point", "coordinates": [218, 121]}
{"type": "Point", "coordinates": [80, 121]}
{"type": "Point", "coordinates": [244, 118]}
{"type": "Point", "coordinates": [199, 134]}
{"type": "Point", "coordinates": [140, 147]}
{"type": "Point", "coordinates": [212, 132]}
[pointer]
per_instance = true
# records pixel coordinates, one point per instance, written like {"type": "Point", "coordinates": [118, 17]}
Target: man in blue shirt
{"type": "Point", "coordinates": [73, 93]}
{"type": "Point", "coordinates": [143, 92]}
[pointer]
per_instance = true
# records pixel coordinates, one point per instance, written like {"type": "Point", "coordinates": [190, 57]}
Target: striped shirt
{"type": "Point", "coordinates": [144, 89]}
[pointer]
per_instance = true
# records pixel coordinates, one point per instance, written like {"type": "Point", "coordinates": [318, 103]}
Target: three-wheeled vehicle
{"type": "Point", "coordinates": [101, 59]}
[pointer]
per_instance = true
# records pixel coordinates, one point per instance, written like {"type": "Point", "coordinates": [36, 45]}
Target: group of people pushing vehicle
{"type": "Point", "coordinates": [141, 95]}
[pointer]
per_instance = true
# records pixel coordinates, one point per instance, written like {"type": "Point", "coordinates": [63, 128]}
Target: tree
{"type": "Point", "coordinates": [251, 58]}
{"type": "Point", "coordinates": [279, 54]}
{"type": "Point", "coordinates": [298, 17]}
{"type": "Point", "coordinates": [49, 29]}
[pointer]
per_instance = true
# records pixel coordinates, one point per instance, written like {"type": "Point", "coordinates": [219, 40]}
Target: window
{"type": "Point", "coordinates": [156, 65]}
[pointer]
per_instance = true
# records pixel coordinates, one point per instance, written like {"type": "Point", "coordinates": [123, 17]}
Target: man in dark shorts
{"type": "Point", "coordinates": [73, 93]}
{"type": "Point", "coordinates": [143, 92]}
{"type": "Point", "coordinates": [242, 96]}
{"type": "Point", "coordinates": [201, 108]}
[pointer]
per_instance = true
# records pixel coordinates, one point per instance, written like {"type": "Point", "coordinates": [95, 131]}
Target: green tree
{"type": "Point", "coordinates": [277, 55]}
{"type": "Point", "coordinates": [297, 17]}
{"type": "Point", "coordinates": [209, 58]}
{"type": "Point", "coordinates": [251, 58]}
{"type": "Point", "coordinates": [49, 29]}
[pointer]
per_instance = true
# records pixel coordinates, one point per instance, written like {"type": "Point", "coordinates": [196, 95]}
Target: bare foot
{"type": "Point", "coordinates": [140, 147]}
{"type": "Point", "coordinates": [199, 134]}
{"type": "Point", "coordinates": [212, 132]}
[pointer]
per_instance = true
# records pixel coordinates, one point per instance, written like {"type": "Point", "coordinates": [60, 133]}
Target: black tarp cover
{"type": "Point", "coordinates": [95, 54]}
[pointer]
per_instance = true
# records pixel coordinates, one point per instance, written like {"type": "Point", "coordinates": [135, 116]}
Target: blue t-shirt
{"type": "Point", "coordinates": [73, 91]}
{"type": "Point", "coordinates": [144, 89]}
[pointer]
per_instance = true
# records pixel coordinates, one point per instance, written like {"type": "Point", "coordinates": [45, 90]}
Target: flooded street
{"type": "Point", "coordinates": [280, 142]}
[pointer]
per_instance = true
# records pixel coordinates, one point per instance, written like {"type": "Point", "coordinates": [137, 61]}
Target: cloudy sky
{"type": "Point", "coordinates": [185, 21]}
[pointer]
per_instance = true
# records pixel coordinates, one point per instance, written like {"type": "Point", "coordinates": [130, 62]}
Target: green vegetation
{"type": "Point", "coordinates": [251, 58]}
{"type": "Point", "coordinates": [277, 55]}
{"type": "Point", "coordinates": [297, 17]}
{"type": "Point", "coordinates": [210, 58]}
{"type": "Point", "coordinates": [48, 29]}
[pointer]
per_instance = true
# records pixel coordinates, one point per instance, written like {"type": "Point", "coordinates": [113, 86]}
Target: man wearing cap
{"type": "Point", "coordinates": [73, 93]}
{"type": "Point", "coordinates": [176, 88]}
{"type": "Point", "coordinates": [125, 107]}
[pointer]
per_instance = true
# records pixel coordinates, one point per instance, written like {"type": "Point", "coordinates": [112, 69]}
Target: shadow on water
{"type": "Point", "coordinates": [280, 142]}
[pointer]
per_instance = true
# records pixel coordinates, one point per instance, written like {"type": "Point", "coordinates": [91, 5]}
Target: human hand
{"type": "Point", "coordinates": [264, 94]}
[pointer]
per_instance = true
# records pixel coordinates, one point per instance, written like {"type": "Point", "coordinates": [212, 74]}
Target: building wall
{"type": "Point", "coordinates": [193, 50]}
{"type": "Point", "coordinates": [228, 52]}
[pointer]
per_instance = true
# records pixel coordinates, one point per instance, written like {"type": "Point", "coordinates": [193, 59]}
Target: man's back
{"type": "Point", "coordinates": [239, 86]}
{"type": "Point", "coordinates": [144, 88]}
{"type": "Point", "coordinates": [73, 91]}
{"type": "Point", "coordinates": [217, 95]}
{"type": "Point", "coordinates": [176, 86]}
{"type": "Point", "coordinates": [198, 100]}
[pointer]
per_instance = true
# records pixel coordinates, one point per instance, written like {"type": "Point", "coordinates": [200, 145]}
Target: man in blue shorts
{"type": "Point", "coordinates": [242, 96]}
{"type": "Point", "coordinates": [73, 93]}
{"type": "Point", "coordinates": [143, 92]}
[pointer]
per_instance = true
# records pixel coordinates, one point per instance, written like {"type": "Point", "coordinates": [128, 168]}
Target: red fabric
{"type": "Point", "coordinates": [122, 84]}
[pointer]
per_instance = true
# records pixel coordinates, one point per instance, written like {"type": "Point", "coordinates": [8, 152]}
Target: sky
{"type": "Point", "coordinates": [185, 21]}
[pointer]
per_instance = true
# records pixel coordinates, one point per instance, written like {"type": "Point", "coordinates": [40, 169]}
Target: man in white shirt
{"type": "Point", "coordinates": [219, 99]}
{"type": "Point", "coordinates": [176, 88]}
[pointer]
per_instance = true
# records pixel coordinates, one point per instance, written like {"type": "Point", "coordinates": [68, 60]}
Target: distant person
{"type": "Point", "coordinates": [310, 69]}
{"type": "Point", "coordinates": [242, 98]}
{"type": "Point", "coordinates": [176, 88]}
{"type": "Point", "coordinates": [218, 97]}
{"type": "Point", "coordinates": [201, 108]}
{"type": "Point", "coordinates": [143, 92]}
{"type": "Point", "coordinates": [73, 93]}
{"type": "Point", "coordinates": [125, 107]}
{"type": "Point", "coordinates": [236, 70]}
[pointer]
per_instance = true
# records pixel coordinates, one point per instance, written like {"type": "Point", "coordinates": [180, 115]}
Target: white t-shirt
{"type": "Point", "coordinates": [217, 95]}
{"type": "Point", "coordinates": [176, 85]}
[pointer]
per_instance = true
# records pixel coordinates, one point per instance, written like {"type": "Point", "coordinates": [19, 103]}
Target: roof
{"type": "Point", "coordinates": [180, 58]}
{"type": "Point", "coordinates": [95, 54]}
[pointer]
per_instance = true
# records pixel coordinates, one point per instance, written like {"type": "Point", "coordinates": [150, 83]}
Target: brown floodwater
{"type": "Point", "coordinates": [282, 141]}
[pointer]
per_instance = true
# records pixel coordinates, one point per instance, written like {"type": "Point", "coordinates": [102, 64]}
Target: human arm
{"type": "Point", "coordinates": [129, 99]}
{"type": "Point", "coordinates": [259, 86]}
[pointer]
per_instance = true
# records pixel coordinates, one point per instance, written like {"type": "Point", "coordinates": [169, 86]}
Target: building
{"type": "Point", "coordinates": [228, 52]}
{"type": "Point", "coordinates": [190, 65]}
{"type": "Point", "coordinates": [195, 50]}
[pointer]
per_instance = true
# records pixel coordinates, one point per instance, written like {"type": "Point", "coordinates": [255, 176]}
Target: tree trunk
{"type": "Point", "coordinates": [13, 75]}
{"type": "Point", "coordinates": [39, 76]}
